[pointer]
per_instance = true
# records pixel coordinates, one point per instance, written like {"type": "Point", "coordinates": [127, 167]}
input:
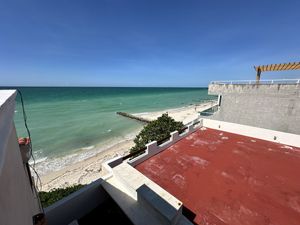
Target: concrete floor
{"type": "Point", "coordinates": [224, 178]}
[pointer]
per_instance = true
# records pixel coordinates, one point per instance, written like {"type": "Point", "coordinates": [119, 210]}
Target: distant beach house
{"type": "Point", "coordinates": [272, 104]}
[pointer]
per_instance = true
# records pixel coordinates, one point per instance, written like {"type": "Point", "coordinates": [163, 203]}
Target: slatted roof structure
{"type": "Point", "coordinates": [276, 67]}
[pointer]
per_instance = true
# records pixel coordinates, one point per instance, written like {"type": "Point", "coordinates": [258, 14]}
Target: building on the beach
{"type": "Point", "coordinates": [272, 104]}
{"type": "Point", "coordinates": [237, 169]}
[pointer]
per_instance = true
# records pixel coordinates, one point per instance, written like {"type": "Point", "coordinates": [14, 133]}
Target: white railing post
{"type": "Point", "coordinates": [190, 128]}
{"type": "Point", "coordinates": [152, 147]}
{"type": "Point", "coordinates": [174, 136]}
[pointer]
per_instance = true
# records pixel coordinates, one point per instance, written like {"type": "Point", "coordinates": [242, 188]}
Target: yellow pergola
{"type": "Point", "coordinates": [276, 67]}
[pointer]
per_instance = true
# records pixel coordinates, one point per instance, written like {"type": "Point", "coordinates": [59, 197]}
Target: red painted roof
{"type": "Point", "coordinates": [226, 178]}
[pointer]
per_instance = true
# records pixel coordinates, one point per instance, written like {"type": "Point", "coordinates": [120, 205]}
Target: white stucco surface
{"type": "Point", "coordinates": [18, 203]}
{"type": "Point", "coordinates": [256, 132]}
{"type": "Point", "coordinates": [5, 95]}
{"type": "Point", "coordinates": [7, 107]}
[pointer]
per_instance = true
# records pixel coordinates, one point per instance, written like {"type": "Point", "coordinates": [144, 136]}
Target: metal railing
{"type": "Point", "coordinates": [276, 81]}
{"type": "Point", "coordinates": [211, 111]}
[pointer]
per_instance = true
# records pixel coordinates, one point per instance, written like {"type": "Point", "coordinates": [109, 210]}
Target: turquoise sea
{"type": "Point", "coordinates": [63, 120]}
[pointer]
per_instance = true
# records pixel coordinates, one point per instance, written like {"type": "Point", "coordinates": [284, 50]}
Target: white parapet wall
{"type": "Point", "coordinates": [7, 106]}
{"type": "Point", "coordinates": [18, 202]}
{"type": "Point", "coordinates": [255, 132]}
{"type": "Point", "coordinates": [76, 205]}
{"type": "Point", "coordinates": [153, 148]}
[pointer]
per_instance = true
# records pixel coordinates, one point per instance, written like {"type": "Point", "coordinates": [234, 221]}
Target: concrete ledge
{"type": "Point", "coordinates": [132, 181]}
{"type": "Point", "coordinates": [108, 165]}
{"type": "Point", "coordinates": [126, 178]}
{"type": "Point", "coordinates": [132, 208]}
{"type": "Point", "coordinates": [157, 205]}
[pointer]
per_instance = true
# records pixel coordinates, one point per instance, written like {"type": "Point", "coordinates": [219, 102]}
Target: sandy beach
{"type": "Point", "coordinates": [89, 169]}
{"type": "Point", "coordinates": [184, 114]}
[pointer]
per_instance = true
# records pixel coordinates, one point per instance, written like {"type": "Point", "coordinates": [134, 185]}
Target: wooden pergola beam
{"type": "Point", "coordinates": [276, 67]}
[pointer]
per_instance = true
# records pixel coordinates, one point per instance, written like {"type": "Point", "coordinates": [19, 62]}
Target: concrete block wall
{"type": "Point", "coordinates": [270, 106]}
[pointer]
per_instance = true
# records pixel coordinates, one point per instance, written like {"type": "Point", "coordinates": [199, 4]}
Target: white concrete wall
{"type": "Point", "coordinates": [133, 181]}
{"type": "Point", "coordinates": [256, 132]}
{"type": "Point", "coordinates": [17, 200]}
{"type": "Point", "coordinates": [76, 205]}
{"type": "Point", "coordinates": [153, 148]}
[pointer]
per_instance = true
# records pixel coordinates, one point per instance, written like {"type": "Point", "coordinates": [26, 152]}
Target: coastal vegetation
{"type": "Point", "coordinates": [156, 130]}
{"type": "Point", "coordinates": [48, 198]}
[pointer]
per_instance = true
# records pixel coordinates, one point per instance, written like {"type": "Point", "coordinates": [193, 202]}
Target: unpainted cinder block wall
{"type": "Point", "coordinates": [271, 106]}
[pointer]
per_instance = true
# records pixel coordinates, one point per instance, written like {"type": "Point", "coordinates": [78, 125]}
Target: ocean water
{"type": "Point", "coordinates": [63, 121]}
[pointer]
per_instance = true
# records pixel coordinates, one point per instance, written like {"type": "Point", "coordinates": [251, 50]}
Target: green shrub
{"type": "Point", "coordinates": [48, 198]}
{"type": "Point", "coordinates": [156, 130]}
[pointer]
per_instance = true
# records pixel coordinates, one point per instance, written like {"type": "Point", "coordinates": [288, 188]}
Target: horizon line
{"type": "Point", "coordinates": [17, 86]}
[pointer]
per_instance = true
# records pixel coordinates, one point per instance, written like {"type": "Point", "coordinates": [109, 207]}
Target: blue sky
{"type": "Point", "coordinates": [144, 43]}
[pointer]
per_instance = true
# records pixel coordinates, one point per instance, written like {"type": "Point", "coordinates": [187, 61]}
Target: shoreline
{"type": "Point", "coordinates": [85, 171]}
{"type": "Point", "coordinates": [86, 168]}
{"type": "Point", "coordinates": [185, 114]}
{"type": "Point", "coordinates": [47, 165]}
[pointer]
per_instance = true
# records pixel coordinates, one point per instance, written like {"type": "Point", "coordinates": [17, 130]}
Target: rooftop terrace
{"type": "Point", "coordinates": [226, 178]}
